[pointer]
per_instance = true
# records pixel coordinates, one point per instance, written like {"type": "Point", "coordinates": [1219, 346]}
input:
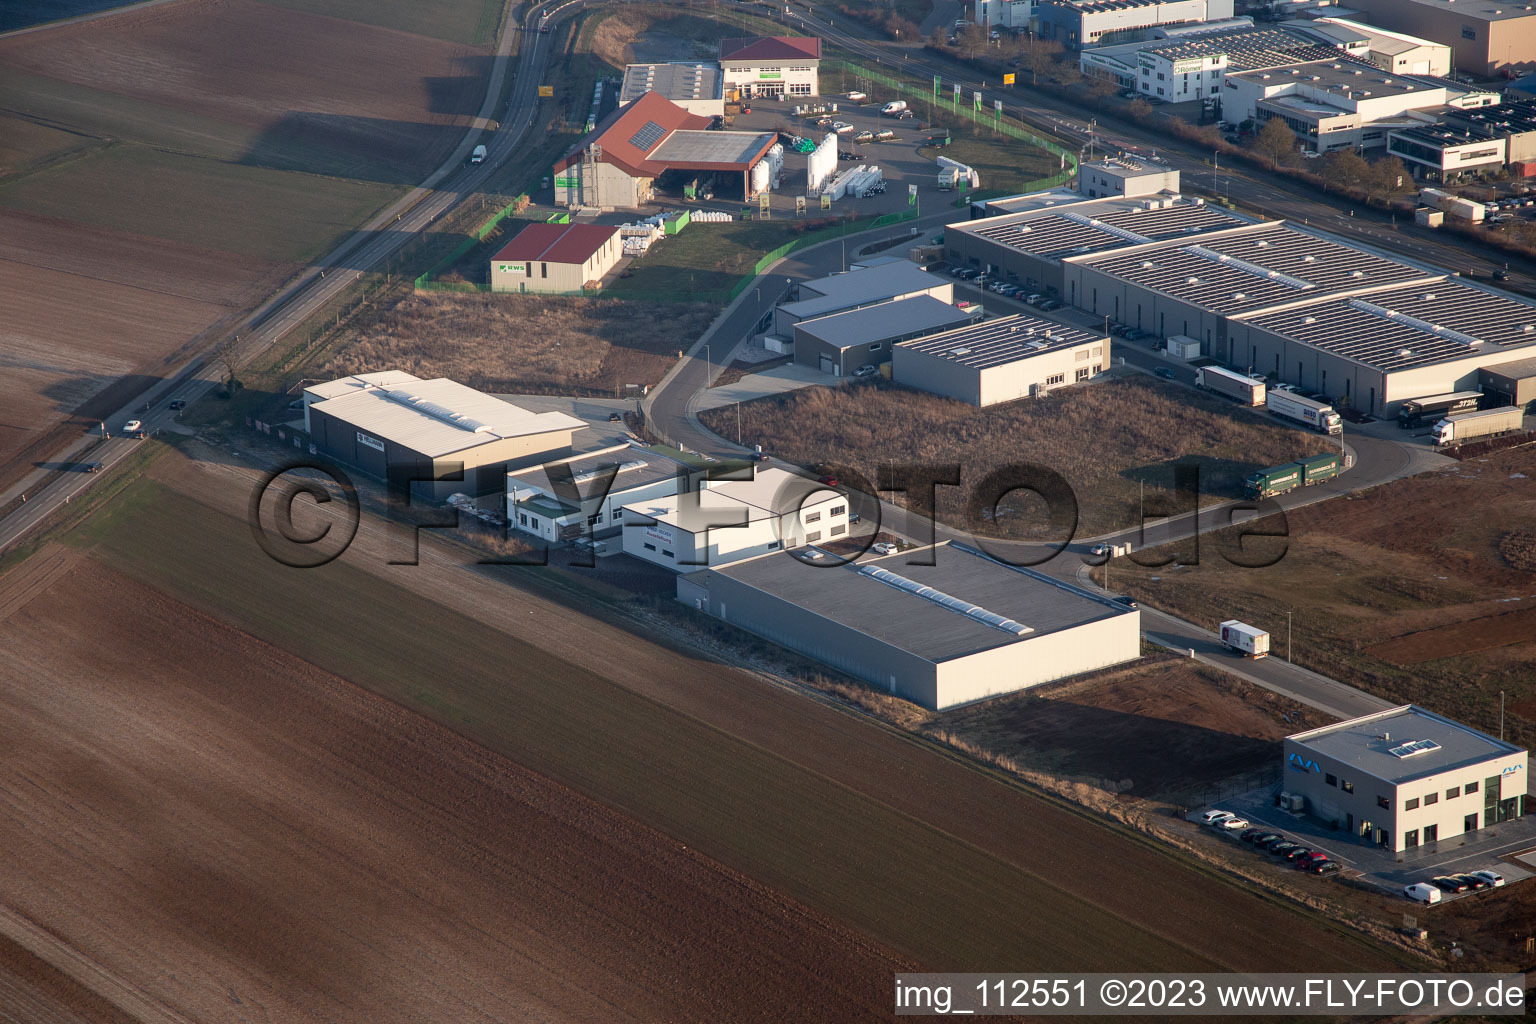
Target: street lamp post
{"type": "Point", "coordinates": [1288, 637]}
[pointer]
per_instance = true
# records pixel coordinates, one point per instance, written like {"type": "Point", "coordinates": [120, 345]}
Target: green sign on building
{"type": "Point", "coordinates": [567, 182]}
{"type": "Point", "coordinates": [509, 268]}
{"type": "Point", "coordinates": [769, 74]}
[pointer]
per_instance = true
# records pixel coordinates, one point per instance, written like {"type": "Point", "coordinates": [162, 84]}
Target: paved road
{"type": "Point", "coordinates": [47, 490]}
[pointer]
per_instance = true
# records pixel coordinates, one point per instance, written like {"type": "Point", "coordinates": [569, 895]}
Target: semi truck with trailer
{"type": "Point", "coordinates": [1309, 411]}
{"type": "Point", "coordinates": [1473, 426]}
{"type": "Point", "coordinates": [1305, 472]}
{"type": "Point", "coordinates": [1245, 639]}
{"type": "Point", "coordinates": [1419, 412]}
{"type": "Point", "coordinates": [1234, 385]}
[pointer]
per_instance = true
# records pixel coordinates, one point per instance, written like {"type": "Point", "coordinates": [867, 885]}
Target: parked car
{"type": "Point", "coordinates": [1281, 849]}
{"type": "Point", "coordinates": [905, 115]}
{"type": "Point", "coordinates": [883, 548]}
{"type": "Point", "coordinates": [1165, 373]}
{"type": "Point", "coordinates": [842, 127]}
{"type": "Point", "coordinates": [1317, 855]}
{"type": "Point", "coordinates": [1271, 843]}
{"type": "Point", "coordinates": [1298, 854]}
{"type": "Point", "coordinates": [1493, 878]}
{"type": "Point", "coordinates": [1450, 883]}
{"type": "Point", "coordinates": [884, 135]}
{"type": "Point", "coordinates": [1215, 817]}
{"type": "Point", "coordinates": [1235, 824]}
{"type": "Point", "coordinates": [177, 403]}
{"type": "Point", "coordinates": [1135, 334]}
{"type": "Point", "coordinates": [864, 136]}
{"type": "Point", "coordinates": [1473, 882]}
{"type": "Point", "coordinates": [1034, 299]}
{"type": "Point", "coordinates": [867, 370]}
{"type": "Point", "coordinates": [1323, 867]}
{"type": "Point", "coordinates": [1050, 305]}
{"type": "Point", "coordinates": [1422, 892]}
{"type": "Point", "coordinates": [614, 417]}
{"type": "Point", "coordinates": [1249, 835]}
{"type": "Point", "coordinates": [857, 97]}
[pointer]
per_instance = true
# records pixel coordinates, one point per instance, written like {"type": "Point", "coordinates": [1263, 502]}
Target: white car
{"type": "Point", "coordinates": [1233, 824]}
{"type": "Point", "coordinates": [1216, 817]}
{"type": "Point", "coordinates": [1493, 878]}
{"type": "Point", "coordinates": [867, 370]}
{"type": "Point", "coordinates": [857, 97]}
{"type": "Point", "coordinates": [883, 548]}
{"type": "Point", "coordinates": [1099, 550]}
{"type": "Point", "coordinates": [842, 127]}
{"type": "Point", "coordinates": [132, 427]}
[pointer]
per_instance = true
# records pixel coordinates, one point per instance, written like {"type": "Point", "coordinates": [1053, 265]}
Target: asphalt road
{"type": "Point", "coordinates": [47, 490]}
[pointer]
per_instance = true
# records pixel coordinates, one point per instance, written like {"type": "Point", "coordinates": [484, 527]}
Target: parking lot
{"type": "Point", "coordinates": [1498, 849]}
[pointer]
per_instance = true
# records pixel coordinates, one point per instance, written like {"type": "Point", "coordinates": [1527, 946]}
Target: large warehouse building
{"type": "Point", "coordinates": [842, 343]}
{"type": "Point", "coordinates": [961, 629]}
{"type": "Point", "coordinates": [1000, 360]}
{"type": "Point", "coordinates": [694, 87]}
{"type": "Point", "coordinates": [771, 67]}
{"type": "Point", "coordinates": [1030, 245]}
{"type": "Point", "coordinates": [647, 141]}
{"type": "Point", "coordinates": [1079, 23]}
{"type": "Point", "coordinates": [1486, 37]}
{"type": "Point", "coordinates": [856, 289]}
{"type": "Point", "coordinates": [381, 421]}
{"type": "Point", "coordinates": [1406, 777]}
{"type": "Point", "coordinates": [556, 258]}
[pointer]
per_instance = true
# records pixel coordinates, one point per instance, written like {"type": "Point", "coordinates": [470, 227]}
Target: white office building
{"type": "Point", "coordinates": [1406, 778]}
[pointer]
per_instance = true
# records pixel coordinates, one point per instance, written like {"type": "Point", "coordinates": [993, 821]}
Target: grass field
{"type": "Point", "coordinates": [525, 343]}
{"type": "Point", "coordinates": [1106, 440]}
{"type": "Point", "coordinates": [709, 257]}
{"type": "Point", "coordinates": [25, 144]}
{"type": "Point", "coordinates": [917, 889]}
{"type": "Point", "coordinates": [460, 21]}
{"type": "Point", "coordinates": [1393, 562]}
{"type": "Point", "coordinates": [1004, 163]}
{"type": "Point", "coordinates": [201, 202]}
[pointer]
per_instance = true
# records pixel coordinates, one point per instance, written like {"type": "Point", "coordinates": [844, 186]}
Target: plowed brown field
{"type": "Point", "coordinates": [211, 829]}
{"type": "Point", "coordinates": [1478, 634]}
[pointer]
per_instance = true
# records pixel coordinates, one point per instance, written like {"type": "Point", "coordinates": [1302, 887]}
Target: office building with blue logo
{"type": "Point", "coordinates": [1405, 777]}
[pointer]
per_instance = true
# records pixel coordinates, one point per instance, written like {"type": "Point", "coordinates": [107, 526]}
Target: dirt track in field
{"type": "Point", "coordinates": [213, 828]}
{"type": "Point", "coordinates": [371, 97]}
{"type": "Point", "coordinates": [1152, 891]}
{"type": "Point", "coordinates": [1465, 637]}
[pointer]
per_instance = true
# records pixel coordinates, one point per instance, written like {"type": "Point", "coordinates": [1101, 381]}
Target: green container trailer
{"type": "Point", "coordinates": [1317, 468]}
{"type": "Point", "coordinates": [1267, 483]}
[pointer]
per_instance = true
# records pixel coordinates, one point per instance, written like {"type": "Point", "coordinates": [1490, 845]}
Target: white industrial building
{"type": "Point", "coordinates": [1125, 177]}
{"type": "Point", "coordinates": [838, 293]}
{"type": "Point", "coordinates": [771, 67]}
{"type": "Point", "coordinates": [1079, 23]}
{"type": "Point", "coordinates": [585, 495]}
{"type": "Point", "coordinates": [695, 87]}
{"type": "Point", "coordinates": [1343, 104]}
{"type": "Point", "coordinates": [961, 629]}
{"type": "Point", "coordinates": [1000, 360]}
{"type": "Point", "coordinates": [394, 421]}
{"type": "Point", "coordinates": [1194, 66]}
{"type": "Point", "coordinates": [997, 14]}
{"type": "Point", "coordinates": [1447, 153]}
{"type": "Point", "coordinates": [1396, 52]}
{"type": "Point", "coordinates": [724, 520]}
{"type": "Point", "coordinates": [1406, 778]}
{"type": "Point", "coordinates": [556, 258]}
{"type": "Point", "coordinates": [843, 342]}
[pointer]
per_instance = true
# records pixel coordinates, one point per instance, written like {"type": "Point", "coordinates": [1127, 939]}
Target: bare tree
{"type": "Point", "coordinates": [229, 354]}
{"type": "Point", "coordinates": [1038, 55]}
{"type": "Point", "coordinates": [1275, 142]}
{"type": "Point", "coordinates": [1387, 177]}
{"type": "Point", "coordinates": [1345, 169]}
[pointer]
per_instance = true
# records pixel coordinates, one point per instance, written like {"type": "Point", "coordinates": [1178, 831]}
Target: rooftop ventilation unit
{"type": "Point", "coordinates": [959, 351]}
{"type": "Point", "coordinates": [1309, 319]}
{"type": "Point", "coordinates": [1357, 273]}
{"type": "Point", "coordinates": [1246, 267]}
{"type": "Point", "coordinates": [1239, 296]}
{"type": "Point", "coordinates": [938, 597]}
{"type": "Point", "coordinates": [1191, 280]}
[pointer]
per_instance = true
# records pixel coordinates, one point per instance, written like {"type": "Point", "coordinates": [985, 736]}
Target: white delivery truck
{"type": "Point", "coordinates": [1234, 385]}
{"type": "Point", "coordinates": [478, 156]}
{"type": "Point", "coordinates": [1470, 426]}
{"type": "Point", "coordinates": [1245, 639]}
{"type": "Point", "coordinates": [1320, 416]}
{"type": "Point", "coordinates": [893, 108]}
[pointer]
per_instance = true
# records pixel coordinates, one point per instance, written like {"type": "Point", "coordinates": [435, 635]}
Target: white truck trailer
{"type": "Point", "coordinates": [1232, 384]}
{"type": "Point", "coordinates": [1471, 426]}
{"type": "Point", "coordinates": [1320, 416]}
{"type": "Point", "coordinates": [1245, 639]}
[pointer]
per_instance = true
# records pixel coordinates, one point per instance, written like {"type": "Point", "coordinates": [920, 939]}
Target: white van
{"type": "Point", "coordinates": [478, 156]}
{"type": "Point", "coordinates": [1216, 817]}
{"type": "Point", "coordinates": [1422, 892]}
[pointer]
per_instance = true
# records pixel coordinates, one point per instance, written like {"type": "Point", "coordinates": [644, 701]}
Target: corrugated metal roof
{"type": "Point", "coordinates": [1004, 340]}
{"type": "Point", "coordinates": [440, 417]}
{"type": "Point", "coordinates": [899, 318]}
{"type": "Point", "coordinates": [557, 243]}
{"type": "Point", "coordinates": [358, 382]}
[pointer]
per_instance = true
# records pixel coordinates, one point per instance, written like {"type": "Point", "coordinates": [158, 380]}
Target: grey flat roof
{"type": "Point", "coordinates": [1358, 743]}
{"type": "Point", "coordinates": [1344, 77]}
{"type": "Point", "coordinates": [1252, 267]}
{"type": "Point", "coordinates": [1124, 168]}
{"type": "Point", "coordinates": [1477, 10]}
{"type": "Point", "coordinates": [1403, 328]}
{"type": "Point", "coordinates": [1099, 225]}
{"type": "Point", "coordinates": [860, 287]}
{"type": "Point", "coordinates": [1520, 369]}
{"type": "Point", "coordinates": [704, 147]}
{"type": "Point", "coordinates": [439, 417]}
{"type": "Point", "coordinates": [896, 319]}
{"type": "Point", "coordinates": [674, 81]}
{"type": "Point", "coordinates": [927, 629]}
{"type": "Point", "coordinates": [1006, 339]}
{"type": "Point", "coordinates": [632, 467]}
